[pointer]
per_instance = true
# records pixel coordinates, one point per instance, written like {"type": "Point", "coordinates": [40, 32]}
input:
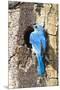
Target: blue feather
{"type": "Point", "coordinates": [37, 38]}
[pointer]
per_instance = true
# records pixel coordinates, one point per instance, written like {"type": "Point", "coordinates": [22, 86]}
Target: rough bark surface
{"type": "Point", "coordinates": [20, 56]}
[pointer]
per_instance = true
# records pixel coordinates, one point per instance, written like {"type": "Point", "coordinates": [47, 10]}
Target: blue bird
{"type": "Point", "coordinates": [38, 42]}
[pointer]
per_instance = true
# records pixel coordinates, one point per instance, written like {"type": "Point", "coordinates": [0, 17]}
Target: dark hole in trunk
{"type": "Point", "coordinates": [27, 33]}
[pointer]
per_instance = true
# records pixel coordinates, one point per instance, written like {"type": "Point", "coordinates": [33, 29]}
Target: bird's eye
{"type": "Point", "coordinates": [35, 26]}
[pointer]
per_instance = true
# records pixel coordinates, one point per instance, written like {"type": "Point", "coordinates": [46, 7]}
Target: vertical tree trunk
{"type": "Point", "coordinates": [19, 19]}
